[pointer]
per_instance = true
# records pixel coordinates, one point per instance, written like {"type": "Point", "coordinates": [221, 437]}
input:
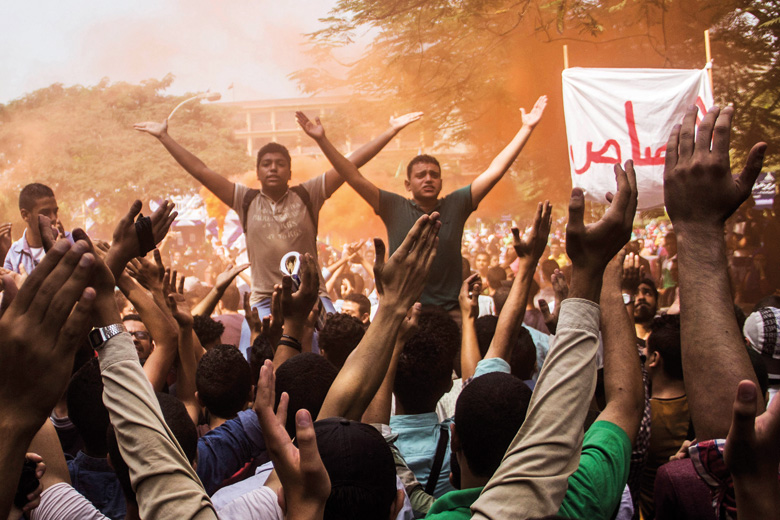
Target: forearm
{"type": "Point", "coordinates": [185, 376]}
{"type": "Point", "coordinates": [712, 345]}
{"type": "Point", "coordinates": [545, 452]}
{"type": "Point", "coordinates": [143, 436]}
{"type": "Point", "coordinates": [511, 318]}
{"type": "Point", "coordinates": [14, 440]}
{"type": "Point", "coordinates": [294, 328]}
{"type": "Point", "coordinates": [206, 306]}
{"type": "Point", "coordinates": [349, 172]}
{"type": "Point", "coordinates": [218, 185]}
{"type": "Point", "coordinates": [378, 411]}
{"type": "Point", "coordinates": [507, 156]}
{"type": "Point", "coordinates": [364, 370]}
{"type": "Point", "coordinates": [469, 348]}
{"type": "Point", "coordinates": [369, 150]}
{"type": "Point", "coordinates": [757, 499]}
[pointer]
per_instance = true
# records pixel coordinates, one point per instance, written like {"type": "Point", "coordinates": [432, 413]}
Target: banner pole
{"type": "Point", "coordinates": [708, 55]}
{"type": "Point", "coordinates": [565, 56]}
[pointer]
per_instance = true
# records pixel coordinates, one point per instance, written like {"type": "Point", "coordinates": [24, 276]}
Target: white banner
{"type": "Point", "coordinates": [613, 115]}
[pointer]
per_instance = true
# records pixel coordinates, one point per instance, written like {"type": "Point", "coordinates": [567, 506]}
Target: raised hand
{"type": "Point", "coordinates": [315, 130]}
{"type": "Point", "coordinates": [592, 246]}
{"type": "Point", "coordinates": [180, 309]}
{"type": "Point", "coordinates": [297, 305]}
{"type": "Point", "coordinates": [401, 122]}
{"type": "Point", "coordinates": [155, 129]}
{"type": "Point", "coordinates": [698, 186]}
{"type": "Point", "coordinates": [400, 281]}
{"type": "Point", "coordinates": [468, 299]}
{"type": "Point", "coordinates": [305, 482]}
{"type": "Point", "coordinates": [5, 236]}
{"type": "Point", "coordinates": [47, 232]}
{"type": "Point", "coordinates": [411, 323]}
{"type": "Point", "coordinates": [633, 273]}
{"type": "Point", "coordinates": [225, 278]}
{"type": "Point", "coordinates": [529, 249]}
{"type": "Point", "coordinates": [532, 118]}
{"type": "Point", "coordinates": [149, 274]}
{"type": "Point", "coordinates": [561, 290]}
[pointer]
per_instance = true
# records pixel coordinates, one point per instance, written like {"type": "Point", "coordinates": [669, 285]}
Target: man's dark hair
{"type": "Point", "coordinates": [85, 407]}
{"type": "Point", "coordinates": [495, 275]}
{"type": "Point", "coordinates": [499, 298]}
{"type": "Point", "coordinates": [306, 378]}
{"type": "Point", "coordinates": [364, 304]}
{"type": "Point", "coordinates": [223, 380]}
{"type": "Point", "coordinates": [425, 366]}
{"type": "Point", "coordinates": [260, 351]}
{"type": "Point", "coordinates": [488, 414]}
{"type": "Point", "coordinates": [768, 301]}
{"type": "Point", "coordinates": [273, 148]}
{"type": "Point", "coordinates": [650, 283]}
{"type": "Point", "coordinates": [32, 193]}
{"type": "Point", "coordinates": [523, 360]}
{"type": "Point", "coordinates": [665, 339]}
{"type": "Point", "coordinates": [207, 329]}
{"type": "Point", "coordinates": [339, 337]}
{"type": "Point", "coordinates": [178, 420]}
{"type": "Point", "coordinates": [135, 317]}
{"type": "Point", "coordinates": [423, 158]}
{"type": "Point", "coordinates": [486, 329]}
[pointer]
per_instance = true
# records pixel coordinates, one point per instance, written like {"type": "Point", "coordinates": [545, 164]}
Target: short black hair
{"type": "Point", "coordinates": [31, 193]}
{"type": "Point", "coordinates": [650, 283]}
{"type": "Point", "coordinates": [184, 431]}
{"type": "Point", "coordinates": [422, 158]}
{"type": "Point", "coordinates": [364, 304]}
{"type": "Point", "coordinates": [425, 366]}
{"type": "Point", "coordinates": [499, 298]}
{"type": "Point", "coordinates": [223, 380]}
{"type": "Point", "coordinates": [664, 338]}
{"type": "Point", "coordinates": [495, 275]}
{"type": "Point", "coordinates": [339, 337]}
{"type": "Point", "coordinates": [306, 378]}
{"type": "Point", "coordinates": [85, 406]}
{"type": "Point", "coordinates": [488, 414]}
{"type": "Point", "coordinates": [523, 359]}
{"type": "Point", "coordinates": [260, 351]}
{"type": "Point", "coordinates": [273, 148]}
{"type": "Point", "coordinates": [486, 329]}
{"type": "Point", "coordinates": [207, 329]}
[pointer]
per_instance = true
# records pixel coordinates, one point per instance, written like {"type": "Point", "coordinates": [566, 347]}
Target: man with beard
{"type": "Point", "coordinates": [645, 307]}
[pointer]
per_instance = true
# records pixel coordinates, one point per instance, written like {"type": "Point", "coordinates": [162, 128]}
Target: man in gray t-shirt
{"type": "Point", "coordinates": [277, 219]}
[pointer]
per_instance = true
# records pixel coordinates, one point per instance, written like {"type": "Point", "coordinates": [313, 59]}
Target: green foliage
{"type": "Point", "coordinates": [80, 141]}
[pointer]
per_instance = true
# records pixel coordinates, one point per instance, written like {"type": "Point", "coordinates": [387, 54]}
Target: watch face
{"type": "Point", "coordinates": [95, 337]}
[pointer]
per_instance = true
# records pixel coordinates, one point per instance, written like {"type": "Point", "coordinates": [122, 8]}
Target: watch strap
{"type": "Point", "coordinates": [99, 336]}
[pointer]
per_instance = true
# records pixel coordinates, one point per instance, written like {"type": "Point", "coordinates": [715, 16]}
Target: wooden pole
{"type": "Point", "coordinates": [565, 56]}
{"type": "Point", "coordinates": [708, 54]}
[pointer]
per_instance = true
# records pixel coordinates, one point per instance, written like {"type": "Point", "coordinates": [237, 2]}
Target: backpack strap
{"type": "Point", "coordinates": [304, 195]}
{"type": "Point", "coordinates": [249, 196]}
{"type": "Point", "coordinates": [438, 461]}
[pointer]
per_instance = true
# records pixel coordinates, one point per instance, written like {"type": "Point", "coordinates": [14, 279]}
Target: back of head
{"type": "Point", "coordinates": [486, 329]}
{"type": "Point", "coordinates": [31, 193]}
{"type": "Point", "coordinates": [180, 424]}
{"type": "Point", "coordinates": [523, 360]}
{"type": "Point", "coordinates": [306, 378]}
{"type": "Point", "coordinates": [339, 337]}
{"type": "Point", "coordinates": [499, 298]}
{"type": "Point", "coordinates": [260, 351]}
{"type": "Point", "coordinates": [488, 414]}
{"type": "Point", "coordinates": [665, 339]}
{"type": "Point", "coordinates": [273, 148]}
{"type": "Point", "coordinates": [495, 276]}
{"type": "Point", "coordinates": [422, 158]}
{"type": "Point", "coordinates": [208, 330]}
{"type": "Point", "coordinates": [86, 409]}
{"type": "Point", "coordinates": [425, 367]}
{"type": "Point", "coordinates": [768, 301]}
{"type": "Point", "coordinates": [361, 470]}
{"type": "Point", "coordinates": [223, 380]}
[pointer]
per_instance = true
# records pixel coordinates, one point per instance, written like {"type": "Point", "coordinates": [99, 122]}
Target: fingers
{"type": "Point", "coordinates": [286, 290]}
{"type": "Point", "coordinates": [429, 240]}
{"type": "Point", "coordinates": [516, 237]}
{"type": "Point", "coordinates": [751, 170]}
{"type": "Point", "coordinates": [721, 138]}
{"type": "Point", "coordinates": [576, 211]}
{"type": "Point", "coordinates": [50, 275]}
{"type": "Point", "coordinates": [284, 401]}
{"type": "Point", "coordinates": [9, 293]}
{"type": "Point", "coordinates": [744, 414]}
{"type": "Point", "coordinates": [76, 325]}
{"type": "Point", "coordinates": [180, 287]}
{"type": "Point", "coordinates": [68, 292]}
{"type": "Point", "coordinates": [158, 262]}
{"type": "Point", "coordinates": [412, 237]}
{"type": "Point", "coordinates": [307, 442]}
{"type": "Point", "coordinates": [706, 127]}
{"type": "Point", "coordinates": [46, 231]}
{"type": "Point", "coordinates": [687, 133]}
{"type": "Point", "coordinates": [247, 307]}
{"type": "Point", "coordinates": [379, 264]}
{"type": "Point", "coordinates": [133, 212]}
{"type": "Point", "coordinates": [545, 308]}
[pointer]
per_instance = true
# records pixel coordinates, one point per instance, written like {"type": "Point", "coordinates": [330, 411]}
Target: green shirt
{"type": "Point", "coordinates": [596, 487]}
{"type": "Point", "coordinates": [454, 505]}
{"type": "Point", "coordinates": [400, 214]}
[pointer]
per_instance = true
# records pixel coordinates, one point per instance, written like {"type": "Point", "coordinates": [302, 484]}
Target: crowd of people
{"type": "Point", "coordinates": [563, 370]}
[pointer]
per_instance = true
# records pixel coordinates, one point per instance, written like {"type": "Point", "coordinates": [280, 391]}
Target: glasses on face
{"type": "Point", "coordinates": [140, 334]}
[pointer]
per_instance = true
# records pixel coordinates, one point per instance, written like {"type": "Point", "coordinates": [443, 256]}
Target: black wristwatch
{"type": "Point", "coordinates": [99, 336]}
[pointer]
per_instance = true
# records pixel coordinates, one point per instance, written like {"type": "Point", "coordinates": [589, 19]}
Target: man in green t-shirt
{"type": "Point", "coordinates": [424, 184]}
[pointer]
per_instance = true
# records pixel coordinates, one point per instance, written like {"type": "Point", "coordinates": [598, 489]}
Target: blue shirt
{"type": "Point", "coordinates": [96, 480]}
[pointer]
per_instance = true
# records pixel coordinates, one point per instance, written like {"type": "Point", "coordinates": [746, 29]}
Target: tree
{"type": "Point", "coordinates": [470, 63]}
{"type": "Point", "coordinates": [80, 141]}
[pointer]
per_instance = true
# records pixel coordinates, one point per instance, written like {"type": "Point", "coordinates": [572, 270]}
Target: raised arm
{"type": "Point", "coordinates": [623, 386]}
{"type": "Point", "coordinates": [207, 305]}
{"type": "Point", "coordinates": [529, 251]}
{"type": "Point", "coordinates": [468, 300]}
{"type": "Point", "coordinates": [399, 283]}
{"type": "Point", "coordinates": [214, 182]}
{"type": "Point", "coordinates": [487, 179]}
{"type": "Point", "coordinates": [296, 307]}
{"type": "Point", "coordinates": [545, 451]}
{"type": "Point", "coordinates": [700, 195]}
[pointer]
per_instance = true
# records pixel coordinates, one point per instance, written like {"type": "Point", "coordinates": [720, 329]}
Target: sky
{"type": "Point", "coordinates": [205, 44]}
